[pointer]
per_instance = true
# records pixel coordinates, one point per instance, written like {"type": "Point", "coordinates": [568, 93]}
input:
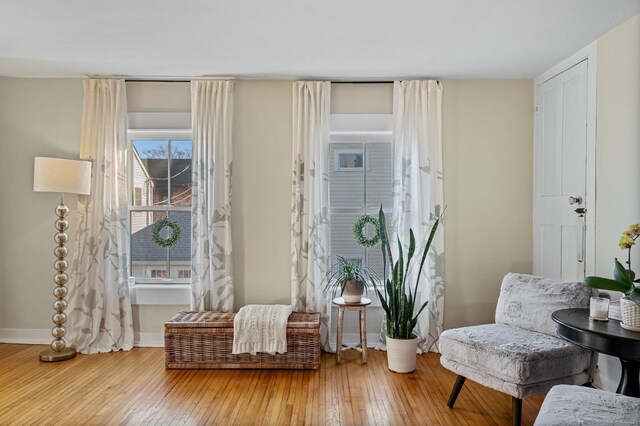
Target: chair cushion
{"type": "Point", "coordinates": [513, 354]}
{"type": "Point", "coordinates": [527, 301]}
{"type": "Point", "coordinates": [577, 405]}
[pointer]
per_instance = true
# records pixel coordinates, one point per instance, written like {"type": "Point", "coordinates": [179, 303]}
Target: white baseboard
{"type": "Point", "coordinates": [38, 336]}
{"type": "Point", "coordinates": [354, 338]}
{"type": "Point", "coordinates": [31, 336]}
{"type": "Point", "coordinates": [608, 373]}
{"type": "Point", "coordinates": [42, 336]}
{"type": "Point", "coordinates": [148, 340]}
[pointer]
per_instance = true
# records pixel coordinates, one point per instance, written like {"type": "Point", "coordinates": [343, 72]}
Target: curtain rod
{"type": "Point", "coordinates": [159, 79]}
{"type": "Point", "coordinates": [173, 79]}
{"type": "Point", "coordinates": [140, 80]}
{"type": "Point", "coordinates": [188, 79]}
{"type": "Point", "coordinates": [362, 82]}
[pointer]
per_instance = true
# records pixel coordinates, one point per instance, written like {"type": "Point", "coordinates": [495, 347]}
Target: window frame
{"type": "Point", "coordinates": [364, 209]}
{"type": "Point", "coordinates": [347, 129]}
{"type": "Point", "coordinates": [142, 135]}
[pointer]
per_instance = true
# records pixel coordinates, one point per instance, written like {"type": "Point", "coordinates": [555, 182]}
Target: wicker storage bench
{"type": "Point", "coordinates": [195, 340]}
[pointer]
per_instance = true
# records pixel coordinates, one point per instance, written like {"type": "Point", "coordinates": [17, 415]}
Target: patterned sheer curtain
{"type": "Point", "coordinates": [310, 201]}
{"type": "Point", "coordinates": [211, 263]}
{"type": "Point", "coordinates": [99, 305]}
{"type": "Point", "coordinates": [418, 193]}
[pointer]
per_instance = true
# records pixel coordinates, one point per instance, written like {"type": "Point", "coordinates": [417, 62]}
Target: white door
{"type": "Point", "coordinates": [560, 175]}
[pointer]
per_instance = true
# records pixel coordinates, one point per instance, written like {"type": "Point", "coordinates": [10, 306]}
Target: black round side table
{"type": "Point", "coordinates": [606, 337]}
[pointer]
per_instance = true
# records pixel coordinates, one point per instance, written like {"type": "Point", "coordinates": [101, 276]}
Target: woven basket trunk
{"type": "Point", "coordinates": [630, 311]}
{"type": "Point", "coordinates": [204, 340]}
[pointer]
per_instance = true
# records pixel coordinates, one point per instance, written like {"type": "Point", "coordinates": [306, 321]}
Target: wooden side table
{"type": "Point", "coordinates": [362, 309]}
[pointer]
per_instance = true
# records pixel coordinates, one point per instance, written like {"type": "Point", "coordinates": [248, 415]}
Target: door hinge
{"type": "Point", "coordinates": [537, 108]}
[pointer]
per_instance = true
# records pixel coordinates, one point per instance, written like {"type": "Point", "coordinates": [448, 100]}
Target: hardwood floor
{"type": "Point", "coordinates": [134, 388]}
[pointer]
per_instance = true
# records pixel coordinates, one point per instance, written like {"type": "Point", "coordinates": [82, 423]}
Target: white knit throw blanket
{"type": "Point", "coordinates": [261, 328]}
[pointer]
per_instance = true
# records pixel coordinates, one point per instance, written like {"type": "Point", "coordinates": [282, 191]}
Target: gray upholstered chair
{"type": "Point", "coordinates": [520, 354]}
{"type": "Point", "coordinates": [577, 405]}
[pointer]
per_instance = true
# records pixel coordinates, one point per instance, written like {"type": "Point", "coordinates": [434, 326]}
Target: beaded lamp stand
{"type": "Point", "coordinates": [62, 176]}
{"type": "Point", "coordinates": [59, 350]}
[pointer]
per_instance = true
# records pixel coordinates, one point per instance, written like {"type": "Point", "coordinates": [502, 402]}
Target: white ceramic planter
{"type": "Point", "coordinates": [353, 291]}
{"type": "Point", "coordinates": [401, 354]}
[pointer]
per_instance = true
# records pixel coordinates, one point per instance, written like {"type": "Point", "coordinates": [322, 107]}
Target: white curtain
{"type": "Point", "coordinates": [99, 305]}
{"type": "Point", "coordinates": [310, 201]}
{"type": "Point", "coordinates": [418, 194]}
{"type": "Point", "coordinates": [211, 251]}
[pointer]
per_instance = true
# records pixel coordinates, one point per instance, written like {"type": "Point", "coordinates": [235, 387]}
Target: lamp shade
{"type": "Point", "coordinates": [62, 175]}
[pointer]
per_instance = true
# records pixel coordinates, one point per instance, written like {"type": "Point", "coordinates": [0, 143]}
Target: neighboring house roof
{"type": "Point", "coordinates": [144, 249]}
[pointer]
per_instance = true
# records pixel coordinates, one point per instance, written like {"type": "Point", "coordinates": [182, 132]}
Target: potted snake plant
{"type": "Point", "coordinates": [351, 278]}
{"type": "Point", "coordinates": [398, 299]}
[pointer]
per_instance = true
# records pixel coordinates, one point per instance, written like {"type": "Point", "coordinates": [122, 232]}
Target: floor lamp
{"type": "Point", "coordinates": [73, 177]}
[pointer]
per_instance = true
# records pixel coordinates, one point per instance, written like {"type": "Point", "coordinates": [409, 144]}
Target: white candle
{"type": "Point", "coordinates": [598, 313]}
{"type": "Point", "coordinates": [599, 308]}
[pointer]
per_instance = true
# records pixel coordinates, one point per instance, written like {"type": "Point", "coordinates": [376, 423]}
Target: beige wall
{"type": "Point", "coordinates": [617, 153]}
{"type": "Point", "coordinates": [488, 159]}
{"type": "Point", "coordinates": [361, 98]}
{"type": "Point", "coordinates": [261, 203]}
{"type": "Point", "coordinates": [487, 149]}
{"type": "Point", "coordinates": [617, 142]}
{"type": "Point", "coordinates": [158, 97]}
{"type": "Point", "coordinates": [37, 118]}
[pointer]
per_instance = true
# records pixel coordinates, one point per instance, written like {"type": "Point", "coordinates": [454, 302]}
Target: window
{"type": "Point", "coordinates": [161, 187]}
{"type": "Point", "coordinates": [360, 181]}
{"type": "Point", "coordinates": [137, 196]}
{"type": "Point", "coordinates": [348, 160]}
{"type": "Point", "coordinates": [158, 273]}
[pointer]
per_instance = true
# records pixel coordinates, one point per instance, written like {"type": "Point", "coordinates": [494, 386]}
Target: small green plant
{"type": "Point", "coordinates": [624, 279]}
{"type": "Point", "coordinates": [399, 299]}
{"type": "Point", "coordinates": [346, 270]}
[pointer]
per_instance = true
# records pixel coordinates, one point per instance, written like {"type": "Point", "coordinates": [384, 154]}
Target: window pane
{"type": "Point", "coordinates": [180, 253]}
{"type": "Point", "coordinates": [361, 179]}
{"type": "Point", "coordinates": [181, 172]}
{"type": "Point", "coordinates": [150, 260]}
{"type": "Point", "coordinates": [342, 241]}
{"type": "Point", "coordinates": [374, 259]}
{"type": "Point", "coordinates": [146, 255]}
{"type": "Point", "coordinates": [151, 170]}
{"type": "Point", "coordinates": [346, 175]}
{"type": "Point", "coordinates": [379, 177]}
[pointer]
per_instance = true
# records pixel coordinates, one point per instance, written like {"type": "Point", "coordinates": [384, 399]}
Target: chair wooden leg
{"type": "Point", "coordinates": [457, 387]}
{"type": "Point", "coordinates": [516, 410]}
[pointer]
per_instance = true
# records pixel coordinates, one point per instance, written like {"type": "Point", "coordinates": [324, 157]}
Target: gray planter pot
{"type": "Point", "coordinates": [353, 291]}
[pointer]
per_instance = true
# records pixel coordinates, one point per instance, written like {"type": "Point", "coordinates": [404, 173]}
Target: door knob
{"type": "Point", "coordinates": [575, 200]}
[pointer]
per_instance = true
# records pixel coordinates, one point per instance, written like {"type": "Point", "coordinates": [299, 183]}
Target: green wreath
{"type": "Point", "coordinates": [159, 226]}
{"type": "Point", "coordinates": [358, 231]}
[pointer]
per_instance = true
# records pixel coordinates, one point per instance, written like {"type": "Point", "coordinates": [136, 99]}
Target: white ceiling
{"type": "Point", "coordinates": [335, 39]}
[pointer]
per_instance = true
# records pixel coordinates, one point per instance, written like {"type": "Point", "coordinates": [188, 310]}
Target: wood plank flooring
{"type": "Point", "coordinates": [134, 388]}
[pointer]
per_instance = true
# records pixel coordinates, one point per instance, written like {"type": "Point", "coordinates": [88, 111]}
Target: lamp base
{"type": "Point", "coordinates": [51, 356]}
